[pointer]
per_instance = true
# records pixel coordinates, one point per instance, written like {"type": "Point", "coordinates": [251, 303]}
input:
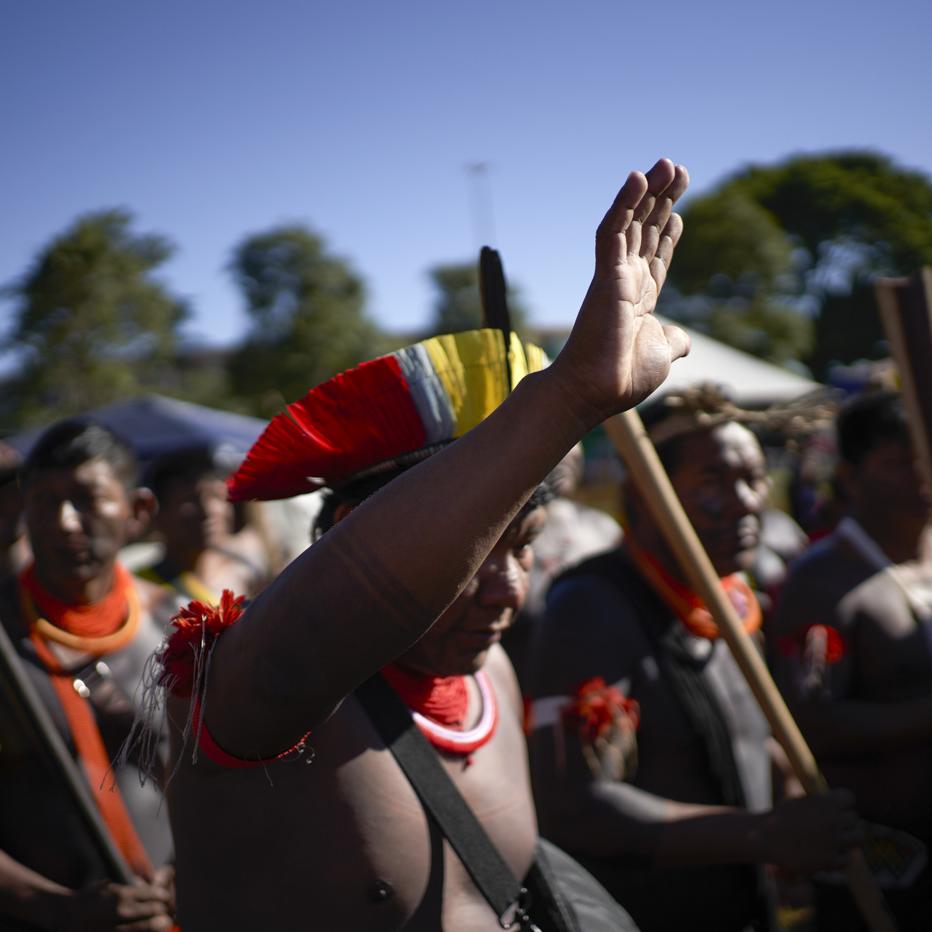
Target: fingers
{"type": "Point", "coordinates": [141, 901]}
{"type": "Point", "coordinates": [658, 178]}
{"type": "Point", "coordinates": [656, 221]}
{"type": "Point", "coordinates": [640, 214]}
{"type": "Point", "coordinates": [668, 239]}
{"type": "Point", "coordinates": [610, 245]}
{"type": "Point", "coordinates": [156, 924]}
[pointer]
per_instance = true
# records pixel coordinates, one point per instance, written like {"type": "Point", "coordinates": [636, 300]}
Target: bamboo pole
{"type": "Point", "coordinates": [906, 314]}
{"type": "Point", "coordinates": [630, 438]}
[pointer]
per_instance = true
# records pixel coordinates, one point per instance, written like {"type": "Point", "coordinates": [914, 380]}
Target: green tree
{"type": "Point", "coordinates": [308, 317]}
{"type": "Point", "coordinates": [785, 255]}
{"type": "Point", "coordinates": [457, 304]}
{"type": "Point", "coordinates": [90, 322]}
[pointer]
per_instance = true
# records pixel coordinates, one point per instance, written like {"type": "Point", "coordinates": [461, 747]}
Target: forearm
{"type": "Point", "coordinates": [374, 583]}
{"type": "Point", "coordinates": [27, 896]}
{"type": "Point", "coordinates": [853, 728]}
{"type": "Point", "coordinates": [620, 820]}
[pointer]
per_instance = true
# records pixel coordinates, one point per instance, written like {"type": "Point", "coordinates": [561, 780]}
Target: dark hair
{"type": "Point", "coordinates": [669, 451]}
{"type": "Point", "coordinates": [74, 441]}
{"type": "Point", "coordinates": [185, 465]}
{"type": "Point", "coordinates": [869, 420]}
{"type": "Point", "coordinates": [357, 492]}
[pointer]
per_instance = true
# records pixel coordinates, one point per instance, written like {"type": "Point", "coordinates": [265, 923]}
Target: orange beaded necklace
{"type": "Point", "coordinates": [690, 609]}
{"type": "Point", "coordinates": [94, 628]}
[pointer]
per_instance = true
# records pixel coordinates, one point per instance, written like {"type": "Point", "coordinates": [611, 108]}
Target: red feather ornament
{"type": "Point", "coordinates": [354, 421]}
{"type": "Point", "coordinates": [196, 627]}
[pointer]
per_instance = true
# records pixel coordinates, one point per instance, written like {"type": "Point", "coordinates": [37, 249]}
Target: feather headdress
{"type": "Point", "coordinates": [384, 411]}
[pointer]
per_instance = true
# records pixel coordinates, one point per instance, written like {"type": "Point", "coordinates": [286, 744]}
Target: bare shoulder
{"type": "Point", "coordinates": [590, 628]}
{"type": "Point", "coordinates": [502, 674]}
{"type": "Point", "coordinates": [815, 587]}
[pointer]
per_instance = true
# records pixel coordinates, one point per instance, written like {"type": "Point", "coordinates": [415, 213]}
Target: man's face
{"type": "Point", "coordinates": [886, 482]}
{"type": "Point", "coordinates": [77, 519]}
{"type": "Point", "coordinates": [460, 640]}
{"type": "Point", "coordinates": [194, 513]}
{"type": "Point", "coordinates": [721, 479]}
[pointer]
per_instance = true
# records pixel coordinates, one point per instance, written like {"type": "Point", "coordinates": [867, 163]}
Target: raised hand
{"type": "Point", "coordinates": [618, 352]}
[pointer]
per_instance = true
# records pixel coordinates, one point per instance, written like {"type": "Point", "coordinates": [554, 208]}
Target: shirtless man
{"type": "Point", "coordinates": [668, 800]}
{"type": "Point", "coordinates": [83, 628]}
{"type": "Point", "coordinates": [343, 842]}
{"type": "Point", "coordinates": [852, 643]}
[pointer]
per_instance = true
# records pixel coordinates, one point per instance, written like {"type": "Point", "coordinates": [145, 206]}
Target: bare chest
{"type": "Point", "coordinates": [893, 639]}
{"type": "Point", "coordinates": [347, 833]}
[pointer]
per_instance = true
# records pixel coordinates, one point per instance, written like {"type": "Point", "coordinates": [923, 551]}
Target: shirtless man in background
{"type": "Point", "coordinates": [852, 643]}
{"type": "Point", "coordinates": [674, 823]}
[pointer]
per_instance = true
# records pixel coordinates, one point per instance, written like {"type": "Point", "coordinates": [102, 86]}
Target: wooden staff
{"type": "Point", "coordinates": [906, 313]}
{"type": "Point", "coordinates": [22, 694]}
{"type": "Point", "coordinates": [630, 438]}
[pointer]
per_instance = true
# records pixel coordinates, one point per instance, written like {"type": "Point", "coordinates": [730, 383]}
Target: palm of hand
{"type": "Point", "coordinates": [644, 351]}
{"type": "Point", "coordinates": [618, 352]}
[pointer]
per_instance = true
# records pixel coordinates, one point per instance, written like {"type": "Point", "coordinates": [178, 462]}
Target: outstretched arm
{"type": "Point", "coordinates": [600, 817]}
{"type": "Point", "coordinates": [375, 583]}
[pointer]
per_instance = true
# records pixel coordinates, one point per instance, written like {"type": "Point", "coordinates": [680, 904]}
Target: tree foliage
{"type": "Point", "coordinates": [778, 259]}
{"type": "Point", "coordinates": [457, 304]}
{"type": "Point", "coordinates": [307, 312]}
{"type": "Point", "coordinates": [90, 322]}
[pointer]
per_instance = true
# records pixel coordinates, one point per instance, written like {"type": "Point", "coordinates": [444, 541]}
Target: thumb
{"type": "Point", "coordinates": [678, 339]}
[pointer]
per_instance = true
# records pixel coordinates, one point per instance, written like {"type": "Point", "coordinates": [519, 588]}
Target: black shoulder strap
{"type": "Point", "coordinates": [442, 800]}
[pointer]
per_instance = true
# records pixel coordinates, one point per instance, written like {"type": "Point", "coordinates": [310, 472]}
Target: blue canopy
{"type": "Point", "coordinates": [154, 425]}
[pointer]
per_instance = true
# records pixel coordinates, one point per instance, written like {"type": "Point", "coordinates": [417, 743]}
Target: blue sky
{"type": "Point", "coordinates": [211, 120]}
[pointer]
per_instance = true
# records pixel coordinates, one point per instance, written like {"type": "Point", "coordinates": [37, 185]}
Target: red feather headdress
{"type": "Point", "coordinates": [418, 397]}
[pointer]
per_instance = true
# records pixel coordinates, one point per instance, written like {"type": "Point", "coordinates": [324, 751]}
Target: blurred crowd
{"type": "Point", "coordinates": [212, 721]}
{"type": "Point", "coordinates": [646, 746]}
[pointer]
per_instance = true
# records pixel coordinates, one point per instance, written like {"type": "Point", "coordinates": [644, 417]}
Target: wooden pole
{"type": "Point", "coordinates": [23, 695]}
{"type": "Point", "coordinates": [906, 313]}
{"type": "Point", "coordinates": [630, 438]}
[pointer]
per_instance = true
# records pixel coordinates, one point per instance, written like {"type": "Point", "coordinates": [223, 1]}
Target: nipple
{"type": "Point", "coordinates": [381, 891]}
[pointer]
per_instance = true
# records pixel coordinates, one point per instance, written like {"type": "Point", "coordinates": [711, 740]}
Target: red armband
{"type": "Point", "coordinates": [215, 753]}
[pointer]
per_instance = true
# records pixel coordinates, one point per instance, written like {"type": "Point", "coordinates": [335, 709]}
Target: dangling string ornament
{"type": "Point", "coordinates": [181, 668]}
{"type": "Point", "coordinates": [184, 658]}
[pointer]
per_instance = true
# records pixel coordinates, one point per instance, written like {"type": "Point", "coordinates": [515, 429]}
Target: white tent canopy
{"type": "Point", "coordinates": [750, 381]}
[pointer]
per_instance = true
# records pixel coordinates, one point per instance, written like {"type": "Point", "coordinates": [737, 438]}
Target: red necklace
{"type": "Point", "coordinates": [439, 705]}
{"type": "Point", "coordinates": [96, 627]}
{"type": "Point", "coordinates": [687, 605]}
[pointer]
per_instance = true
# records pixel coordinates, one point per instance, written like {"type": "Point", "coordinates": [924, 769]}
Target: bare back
{"type": "Point", "coordinates": [342, 842]}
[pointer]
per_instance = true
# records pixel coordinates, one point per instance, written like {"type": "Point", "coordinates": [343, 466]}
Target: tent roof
{"type": "Point", "coordinates": [154, 425]}
{"type": "Point", "coordinates": [751, 380]}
